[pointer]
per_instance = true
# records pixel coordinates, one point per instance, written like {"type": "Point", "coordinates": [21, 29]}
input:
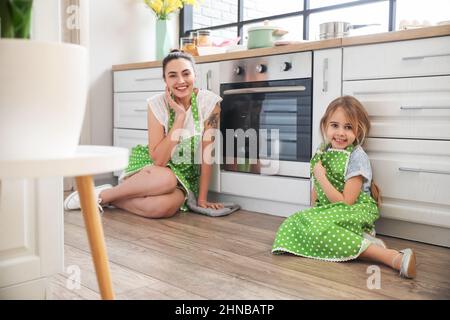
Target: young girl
{"type": "Point", "coordinates": [339, 225]}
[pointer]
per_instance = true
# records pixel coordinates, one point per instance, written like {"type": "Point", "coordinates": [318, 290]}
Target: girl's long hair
{"type": "Point", "coordinates": [359, 119]}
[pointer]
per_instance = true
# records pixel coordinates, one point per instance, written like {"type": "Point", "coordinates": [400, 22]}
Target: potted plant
{"type": "Point", "coordinates": [43, 89]}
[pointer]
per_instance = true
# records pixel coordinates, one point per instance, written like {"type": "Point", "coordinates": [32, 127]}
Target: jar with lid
{"type": "Point", "coordinates": [188, 45]}
{"type": "Point", "coordinates": [204, 38]}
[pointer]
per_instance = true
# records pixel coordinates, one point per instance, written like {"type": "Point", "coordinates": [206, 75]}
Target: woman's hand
{"type": "Point", "coordinates": [205, 204]}
{"type": "Point", "coordinates": [177, 108]}
{"type": "Point", "coordinates": [319, 170]}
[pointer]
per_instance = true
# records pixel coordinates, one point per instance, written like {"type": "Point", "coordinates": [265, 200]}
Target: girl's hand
{"type": "Point", "coordinates": [206, 204]}
{"type": "Point", "coordinates": [177, 108]}
{"type": "Point", "coordinates": [319, 170]}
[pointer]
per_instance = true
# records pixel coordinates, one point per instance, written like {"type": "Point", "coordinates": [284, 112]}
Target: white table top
{"type": "Point", "coordinates": [87, 160]}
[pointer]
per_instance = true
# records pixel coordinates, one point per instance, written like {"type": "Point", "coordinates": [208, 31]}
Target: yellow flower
{"type": "Point", "coordinates": [162, 8]}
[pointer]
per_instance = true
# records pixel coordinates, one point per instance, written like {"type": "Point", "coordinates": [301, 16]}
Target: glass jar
{"type": "Point", "coordinates": [204, 38]}
{"type": "Point", "coordinates": [193, 35]}
{"type": "Point", "coordinates": [188, 45]}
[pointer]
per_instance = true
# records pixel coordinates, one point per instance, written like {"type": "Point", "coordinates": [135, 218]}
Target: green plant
{"type": "Point", "coordinates": [15, 18]}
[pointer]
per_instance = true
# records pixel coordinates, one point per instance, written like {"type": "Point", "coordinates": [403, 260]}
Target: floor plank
{"type": "Point", "coordinates": [191, 256]}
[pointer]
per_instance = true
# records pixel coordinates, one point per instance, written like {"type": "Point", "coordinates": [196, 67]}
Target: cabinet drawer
{"type": "Point", "coordinates": [128, 139]}
{"type": "Point", "coordinates": [257, 186]}
{"type": "Point", "coordinates": [139, 80]}
{"type": "Point", "coordinates": [130, 109]}
{"type": "Point", "coordinates": [398, 59]}
{"type": "Point", "coordinates": [405, 108]}
{"type": "Point", "coordinates": [411, 170]}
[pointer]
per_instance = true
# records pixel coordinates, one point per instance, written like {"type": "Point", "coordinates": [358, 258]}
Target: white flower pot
{"type": "Point", "coordinates": [43, 90]}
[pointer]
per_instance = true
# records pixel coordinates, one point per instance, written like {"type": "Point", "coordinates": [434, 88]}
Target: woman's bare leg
{"type": "Point", "coordinates": [162, 206]}
{"type": "Point", "coordinates": [383, 255]}
{"type": "Point", "coordinates": [150, 181]}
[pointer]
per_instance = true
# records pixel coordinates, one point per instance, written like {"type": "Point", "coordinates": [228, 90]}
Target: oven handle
{"type": "Point", "coordinates": [264, 90]}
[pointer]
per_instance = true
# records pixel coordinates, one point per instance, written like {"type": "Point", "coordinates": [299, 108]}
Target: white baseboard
{"type": "Point", "coordinates": [281, 209]}
{"type": "Point", "coordinates": [413, 231]}
{"type": "Point", "coordinates": [30, 290]}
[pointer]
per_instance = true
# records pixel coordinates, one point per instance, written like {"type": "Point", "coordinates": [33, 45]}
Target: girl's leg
{"type": "Point", "coordinates": [150, 181]}
{"type": "Point", "coordinates": [383, 255]}
{"type": "Point", "coordinates": [162, 206]}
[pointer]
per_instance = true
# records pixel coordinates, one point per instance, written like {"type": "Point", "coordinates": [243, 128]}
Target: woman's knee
{"type": "Point", "coordinates": [165, 177]}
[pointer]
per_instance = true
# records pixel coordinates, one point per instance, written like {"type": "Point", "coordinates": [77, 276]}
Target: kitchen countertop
{"type": "Point", "coordinates": [419, 33]}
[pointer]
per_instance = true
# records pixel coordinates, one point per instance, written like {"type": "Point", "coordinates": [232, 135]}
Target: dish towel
{"type": "Point", "coordinates": [227, 209]}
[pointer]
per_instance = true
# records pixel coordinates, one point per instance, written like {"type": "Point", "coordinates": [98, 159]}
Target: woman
{"type": "Point", "coordinates": [160, 176]}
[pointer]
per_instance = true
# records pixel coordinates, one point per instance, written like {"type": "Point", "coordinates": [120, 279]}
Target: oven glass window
{"type": "Point", "coordinates": [275, 117]}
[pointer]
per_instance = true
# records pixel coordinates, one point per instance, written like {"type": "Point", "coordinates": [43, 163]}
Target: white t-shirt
{"type": "Point", "coordinates": [206, 101]}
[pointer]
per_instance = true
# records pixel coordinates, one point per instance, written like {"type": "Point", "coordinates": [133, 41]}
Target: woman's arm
{"type": "Point", "coordinates": [160, 146]}
{"type": "Point", "coordinates": [211, 124]}
{"type": "Point", "coordinates": [352, 187]}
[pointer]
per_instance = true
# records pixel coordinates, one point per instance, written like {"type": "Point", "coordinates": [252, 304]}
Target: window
{"type": "Point", "coordinates": [415, 12]}
{"type": "Point", "coordinates": [254, 9]}
{"type": "Point", "coordinates": [301, 18]}
{"type": "Point", "coordinates": [372, 13]}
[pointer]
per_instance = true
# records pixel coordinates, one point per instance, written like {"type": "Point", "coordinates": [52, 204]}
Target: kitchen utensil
{"type": "Point", "coordinates": [339, 29]}
{"type": "Point", "coordinates": [264, 36]}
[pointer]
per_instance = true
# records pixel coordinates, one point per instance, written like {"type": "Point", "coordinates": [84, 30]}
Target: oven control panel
{"type": "Point", "coordinates": [277, 67]}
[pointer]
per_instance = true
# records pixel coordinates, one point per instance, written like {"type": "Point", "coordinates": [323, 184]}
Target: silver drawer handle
{"type": "Point", "coordinates": [264, 90]}
{"type": "Point", "coordinates": [146, 79]}
{"type": "Point", "coordinates": [426, 56]}
{"type": "Point", "coordinates": [140, 110]}
{"type": "Point", "coordinates": [325, 75]}
{"type": "Point", "coordinates": [425, 108]}
{"type": "Point", "coordinates": [418, 170]}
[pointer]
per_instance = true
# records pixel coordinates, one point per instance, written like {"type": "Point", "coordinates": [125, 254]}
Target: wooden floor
{"type": "Point", "coordinates": [191, 256]}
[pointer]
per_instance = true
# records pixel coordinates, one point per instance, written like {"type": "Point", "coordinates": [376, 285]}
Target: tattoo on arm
{"type": "Point", "coordinates": [213, 120]}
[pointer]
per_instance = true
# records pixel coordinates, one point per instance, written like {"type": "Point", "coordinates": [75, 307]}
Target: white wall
{"type": "Point", "coordinates": [120, 31]}
{"type": "Point", "coordinates": [45, 25]}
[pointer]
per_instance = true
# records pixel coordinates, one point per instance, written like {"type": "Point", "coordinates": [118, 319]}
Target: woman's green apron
{"type": "Point", "coordinates": [329, 231]}
{"type": "Point", "coordinates": [182, 162]}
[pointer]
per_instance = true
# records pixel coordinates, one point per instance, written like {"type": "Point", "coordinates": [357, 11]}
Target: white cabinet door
{"type": "Point", "coordinates": [412, 174]}
{"type": "Point", "coordinates": [208, 79]}
{"type": "Point", "coordinates": [31, 234]}
{"type": "Point", "coordinates": [208, 74]}
{"type": "Point", "coordinates": [127, 138]}
{"type": "Point", "coordinates": [139, 80]}
{"type": "Point", "coordinates": [416, 108]}
{"type": "Point", "coordinates": [130, 109]}
{"type": "Point", "coordinates": [422, 57]}
{"type": "Point", "coordinates": [327, 86]}
{"type": "Point", "coordinates": [281, 189]}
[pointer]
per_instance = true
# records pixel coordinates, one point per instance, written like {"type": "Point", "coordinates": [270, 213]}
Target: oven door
{"type": "Point", "coordinates": [266, 127]}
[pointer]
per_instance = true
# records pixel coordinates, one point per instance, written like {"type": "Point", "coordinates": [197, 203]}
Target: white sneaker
{"type": "Point", "coordinates": [375, 241]}
{"type": "Point", "coordinates": [72, 202]}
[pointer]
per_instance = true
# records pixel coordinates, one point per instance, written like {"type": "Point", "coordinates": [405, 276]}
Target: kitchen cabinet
{"type": "Point", "coordinates": [208, 79]}
{"type": "Point", "coordinates": [406, 91]}
{"type": "Point", "coordinates": [132, 88]}
{"type": "Point", "coordinates": [327, 85]}
{"type": "Point", "coordinates": [400, 59]}
{"type": "Point", "coordinates": [31, 236]}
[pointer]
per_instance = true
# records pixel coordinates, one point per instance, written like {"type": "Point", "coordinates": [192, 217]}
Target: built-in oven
{"type": "Point", "coordinates": [266, 118]}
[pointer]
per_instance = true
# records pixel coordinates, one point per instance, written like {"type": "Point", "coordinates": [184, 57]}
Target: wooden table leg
{"type": "Point", "coordinates": [88, 201]}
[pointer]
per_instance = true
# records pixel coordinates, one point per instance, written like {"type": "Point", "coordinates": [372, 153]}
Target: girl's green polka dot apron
{"type": "Point", "coordinates": [183, 160]}
{"type": "Point", "coordinates": [329, 231]}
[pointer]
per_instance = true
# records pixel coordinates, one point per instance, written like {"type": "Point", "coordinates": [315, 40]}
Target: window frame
{"type": "Point", "coordinates": [186, 16]}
